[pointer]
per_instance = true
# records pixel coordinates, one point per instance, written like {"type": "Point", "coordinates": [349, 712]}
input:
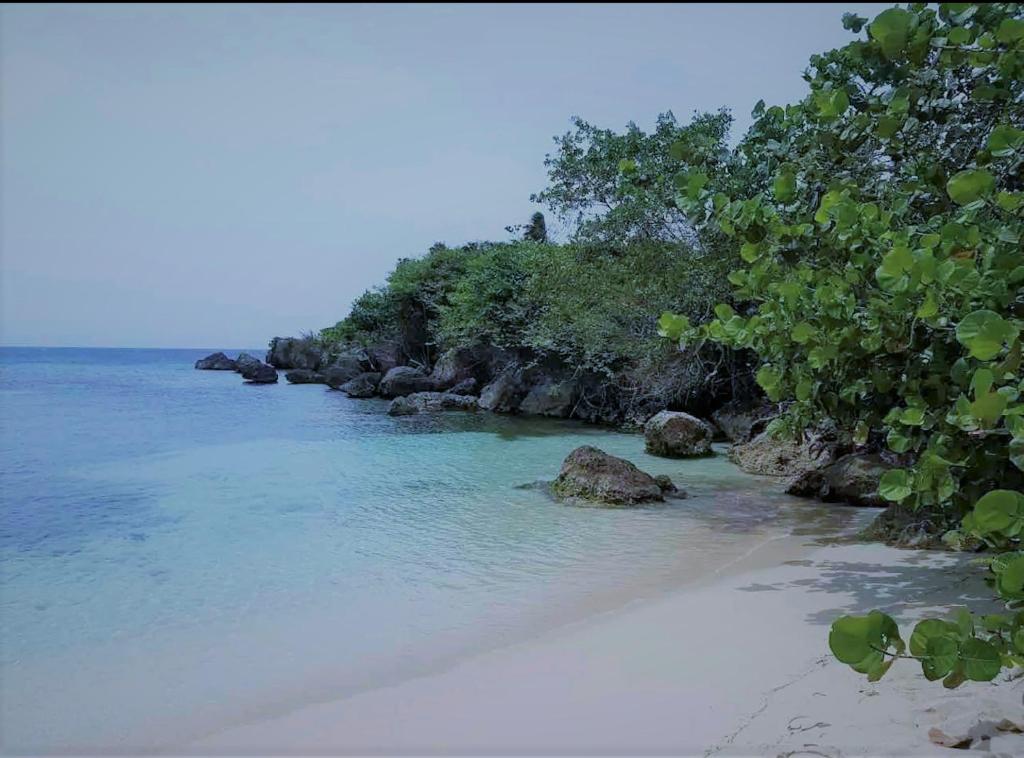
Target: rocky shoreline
{"type": "Point", "coordinates": [484, 378]}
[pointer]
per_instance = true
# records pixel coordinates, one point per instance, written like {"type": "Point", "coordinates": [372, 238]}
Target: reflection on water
{"type": "Point", "coordinates": [181, 550]}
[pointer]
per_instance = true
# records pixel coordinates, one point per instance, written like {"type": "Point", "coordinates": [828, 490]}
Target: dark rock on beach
{"type": "Point", "coordinates": [216, 362]}
{"type": "Point", "coordinates": [405, 380]}
{"type": "Point", "coordinates": [673, 434]}
{"type": "Point", "coordinates": [593, 475]}
{"type": "Point", "coordinates": [260, 374]}
{"type": "Point", "coordinates": [362, 386]}
{"type": "Point", "coordinates": [852, 479]}
{"type": "Point", "coordinates": [430, 402]}
{"type": "Point", "coordinates": [304, 376]}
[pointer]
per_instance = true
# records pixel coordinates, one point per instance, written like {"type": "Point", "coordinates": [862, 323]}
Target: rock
{"type": "Point", "coordinates": [362, 386]}
{"type": "Point", "coordinates": [479, 362]}
{"type": "Point", "coordinates": [780, 456]}
{"type": "Point", "coordinates": [668, 487]}
{"type": "Point", "coordinates": [741, 422]}
{"type": "Point", "coordinates": [900, 526]}
{"type": "Point", "coordinates": [504, 394]}
{"type": "Point", "coordinates": [465, 387]}
{"type": "Point", "coordinates": [550, 398]}
{"type": "Point", "coordinates": [216, 362]}
{"type": "Point", "coordinates": [294, 352]}
{"type": "Point", "coordinates": [344, 369]}
{"type": "Point", "coordinates": [430, 402]}
{"type": "Point", "coordinates": [384, 357]}
{"type": "Point", "coordinates": [674, 434]}
{"type": "Point", "coordinates": [244, 360]}
{"type": "Point", "coordinates": [304, 376]}
{"type": "Point", "coordinates": [404, 380]}
{"type": "Point", "coordinates": [592, 474]}
{"type": "Point", "coordinates": [852, 479]}
{"type": "Point", "coordinates": [260, 374]}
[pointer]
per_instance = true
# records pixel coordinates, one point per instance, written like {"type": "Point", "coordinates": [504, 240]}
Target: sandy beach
{"type": "Point", "coordinates": [735, 665]}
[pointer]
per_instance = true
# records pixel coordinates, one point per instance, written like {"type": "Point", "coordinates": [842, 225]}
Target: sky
{"type": "Point", "coordinates": [213, 176]}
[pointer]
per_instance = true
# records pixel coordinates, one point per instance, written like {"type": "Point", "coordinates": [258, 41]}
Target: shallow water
{"type": "Point", "coordinates": [182, 551]}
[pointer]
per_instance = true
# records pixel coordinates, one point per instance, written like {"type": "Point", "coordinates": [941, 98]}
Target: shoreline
{"type": "Point", "coordinates": [736, 663]}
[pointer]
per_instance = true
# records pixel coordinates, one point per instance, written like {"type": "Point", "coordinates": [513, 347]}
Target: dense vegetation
{"type": "Point", "coordinates": [591, 302]}
{"type": "Point", "coordinates": [881, 237]}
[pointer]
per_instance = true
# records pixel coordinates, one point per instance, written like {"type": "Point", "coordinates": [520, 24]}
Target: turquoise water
{"type": "Point", "coordinates": [182, 551]}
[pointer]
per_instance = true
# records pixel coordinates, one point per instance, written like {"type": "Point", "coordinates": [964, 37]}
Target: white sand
{"type": "Point", "coordinates": [737, 665]}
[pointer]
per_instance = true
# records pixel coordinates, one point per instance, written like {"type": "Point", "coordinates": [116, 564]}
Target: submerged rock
{"type": "Point", "coordinates": [780, 456]}
{"type": "Point", "coordinates": [592, 474]}
{"type": "Point", "coordinates": [260, 374]}
{"type": "Point", "coordinates": [294, 352]}
{"type": "Point", "coordinates": [244, 360]}
{"type": "Point", "coordinates": [404, 380]}
{"type": "Point", "coordinates": [673, 434]}
{"type": "Point", "coordinates": [430, 402]}
{"type": "Point", "coordinates": [362, 386]}
{"type": "Point", "coordinates": [304, 376]}
{"type": "Point", "coordinates": [215, 362]}
{"type": "Point", "coordinates": [852, 479]}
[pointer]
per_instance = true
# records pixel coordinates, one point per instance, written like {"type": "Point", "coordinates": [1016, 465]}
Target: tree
{"type": "Point", "coordinates": [537, 230]}
{"type": "Point", "coordinates": [882, 252]}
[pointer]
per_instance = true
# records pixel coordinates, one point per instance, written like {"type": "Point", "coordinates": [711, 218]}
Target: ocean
{"type": "Point", "coordinates": [181, 551]}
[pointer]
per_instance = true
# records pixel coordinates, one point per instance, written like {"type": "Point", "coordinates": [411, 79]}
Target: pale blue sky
{"type": "Point", "coordinates": [204, 176]}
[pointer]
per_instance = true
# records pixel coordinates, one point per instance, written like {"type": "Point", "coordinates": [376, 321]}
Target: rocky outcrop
{"type": "Point", "coordinates": [465, 387]}
{"type": "Point", "coordinates": [304, 376]}
{"type": "Point", "coordinates": [550, 398]}
{"type": "Point", "coordinates": [215, 362]}
{"type": "Point", "coordinates": [504, 394]}
{"type": "Point", "coordinates": [244, 360]}
{"type": "Point", "coordinates": [430, 402]}
{"type": "Point", "coordinates": [901, 526]}
{"type": "Point", "coordinates": [294, 352]}
{"type": "Point", "coordinates": [852, 479]}
{"type": "Point", "coordinates": [260, 374]}
{"type": "Point", "coordinates": [384, 357]}
{"type": "Point", "coordinates": [339, 374]}
{"type": "Point", "coordinates": [405, 380]}
{"type": "Point", "coordinates": [780, 456]}
{"type": "Point", "coordinates": [362, 386]}
{"type": "Point", "coordinates": [592, 475]}
{"type": "Point", "coordinates": [478, 362]}
{"type": "Point", "coordinates": [740, 422]}
{"type": "Point", "coordinates": [673, 434]}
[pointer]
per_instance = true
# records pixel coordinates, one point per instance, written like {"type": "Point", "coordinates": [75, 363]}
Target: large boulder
{"type": "Point", "coordinates": [261, 374]}
{"type": "Point", "coordinates": [674, 434]}
{"type": "Point", "coordinates": [852, 479]}
{"type": "Point", "coordinates": [294, 352]}
{"type": "Point", "coordinates": [404, 380]}
{"type": "Point", "coordinates": [245, 360]}
{"type": "Point", "coordinates": [504, 394]}
{"type": "Point", "coordinates": [780, 456]}
{"type": "Point", "coordinates": [590, 474]}
{"type": "Point", "coordinates": [384, 357]}
{"type": "Point", "coordinates": [304, 376]}
{"type": "Point", "coordinates": [362, 386]}
{"type": "Point", "coordinates": [343, 369]}
{"type": "Point", "coordinates": [550, 398]}
{"type": "Point", "coordinates": [430, 402]}
{"type": "Point", "coordinates": [740, 422]}
{"type": "Point", "coordinates": [479, 362]}
{"type": "Point", "coordinates": [216, 362]}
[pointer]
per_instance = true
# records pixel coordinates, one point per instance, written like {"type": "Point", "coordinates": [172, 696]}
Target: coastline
{"type": "Point", "coordinates": [737, 663]}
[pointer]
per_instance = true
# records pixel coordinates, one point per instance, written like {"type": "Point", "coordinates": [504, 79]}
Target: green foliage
{"type": "Point", "coordinates": [880, 228]}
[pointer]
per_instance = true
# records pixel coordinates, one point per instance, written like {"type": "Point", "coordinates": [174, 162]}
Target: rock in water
{"type": "Point", "coordinates": [504, 394]}
{"type": "Point", "coordinates": [550, 398]}
{"type": "Point", "coordinates": [677, 435]}
{"type": "Point", "coordinates": [852, 479]}
{"type": "Point", "coordinates": [244, 360]}
{"type": "Point", "coordinates": [294, 352]}
{"type": "Point", "coordinates": [216, 362]}
{"type": "Point", "coordinates": [260, 374]}
{"type": "Point", "coordinates": [362, 386]}
{"type": "Point", "coordinates": [304, 376]}
{"type": "Point", "coordinates": [429, 402]}
{"type": "Point", "coordinates": [592, 474]}
{"type": "Point", "coordinates": [780, 456]}
{"type": "Point", "coordinates": [404, 380]}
